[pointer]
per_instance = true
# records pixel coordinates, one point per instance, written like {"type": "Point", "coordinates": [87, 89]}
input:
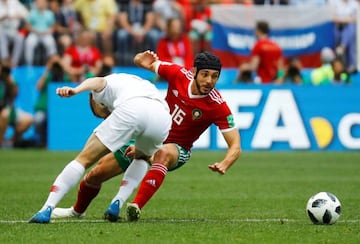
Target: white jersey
{"type": "Point", "coordinates": [138, 110]}
{"type": "Point", "coordinates": [122, 87]}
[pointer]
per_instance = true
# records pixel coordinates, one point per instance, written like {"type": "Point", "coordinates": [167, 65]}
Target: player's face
{"type": "Point", "coordinates": [205, 81]}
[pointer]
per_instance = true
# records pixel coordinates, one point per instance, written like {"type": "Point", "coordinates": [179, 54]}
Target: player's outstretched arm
{"type": "Point", "coordinates": [232, 139]}
{"type": "Point", "coordinates": [95, 84]}
{"type": "Point", "coordinates": [146, 60]}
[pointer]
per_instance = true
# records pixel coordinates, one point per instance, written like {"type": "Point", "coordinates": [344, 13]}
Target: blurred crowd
{"type": "Point", "coordinates": [76, 39]}
{"type": "Point", "coordinates": [84, 32]}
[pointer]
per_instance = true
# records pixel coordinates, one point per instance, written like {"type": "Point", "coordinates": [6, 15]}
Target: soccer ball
{"type": "Point", "coordinates": [324, 208]}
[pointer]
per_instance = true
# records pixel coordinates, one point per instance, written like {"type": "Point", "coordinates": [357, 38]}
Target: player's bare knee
{"type": "Point", "coordinates": [162, 156]}
{"type": "Point", "coordinates": [84, 161]}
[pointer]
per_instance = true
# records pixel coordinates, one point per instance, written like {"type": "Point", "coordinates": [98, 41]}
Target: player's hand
{"type": "Point", "coordinates": [150, 55]}
{"type": "Point", "coordinates": [146, 59]}
{"type": "Point", "coordinates": [217, 167]}
{"type": "Point", "coordinates": [65, 91]}
{"type": "Point", "coordinates": [130, 151]}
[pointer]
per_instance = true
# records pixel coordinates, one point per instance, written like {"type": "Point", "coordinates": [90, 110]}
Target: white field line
{"type": "Point", "coordinates": [4, 221]}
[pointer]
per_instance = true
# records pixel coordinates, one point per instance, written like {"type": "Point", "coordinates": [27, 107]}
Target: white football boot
{"type": "Point", "coordinates": [59, 213]}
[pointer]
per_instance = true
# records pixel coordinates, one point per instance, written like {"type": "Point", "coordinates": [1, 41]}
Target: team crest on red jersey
{"type": "Point", "coordinates": [196, 114]}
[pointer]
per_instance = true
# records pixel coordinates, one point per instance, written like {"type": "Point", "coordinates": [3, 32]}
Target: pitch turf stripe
{"type": "Point", "coordinates": [177, 220]}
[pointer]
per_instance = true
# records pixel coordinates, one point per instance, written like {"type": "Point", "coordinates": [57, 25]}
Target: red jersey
{"type": "Point", "coordinates": [90, 57]}
{"type": "Point", "coordinates": [191, 114]}
{"type": "Point", "coordinates": [269, 53]}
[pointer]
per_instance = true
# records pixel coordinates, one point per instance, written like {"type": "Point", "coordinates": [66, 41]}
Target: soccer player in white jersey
{"type": "Point", "coordinates": [138, 111]}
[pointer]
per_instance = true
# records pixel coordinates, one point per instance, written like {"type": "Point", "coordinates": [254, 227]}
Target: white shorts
{"type": "Point", "coordinates": [146, 120]}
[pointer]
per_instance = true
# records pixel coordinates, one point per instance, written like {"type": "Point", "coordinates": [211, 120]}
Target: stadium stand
{"type": "Point", "coordinates": [27, 75]}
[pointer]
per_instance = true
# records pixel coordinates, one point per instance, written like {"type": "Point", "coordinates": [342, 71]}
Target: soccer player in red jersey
{"type": "Point", "coordinates": [194, 105]}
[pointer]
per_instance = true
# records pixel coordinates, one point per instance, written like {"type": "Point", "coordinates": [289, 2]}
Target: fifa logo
{"type": "Point", "coordinates": [275, 118]}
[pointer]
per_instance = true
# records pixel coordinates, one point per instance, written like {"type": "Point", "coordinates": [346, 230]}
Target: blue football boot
{"type": "Point", "coordinates": [42, 217]}
{"type": "Point", "coordinates": [112, 213]}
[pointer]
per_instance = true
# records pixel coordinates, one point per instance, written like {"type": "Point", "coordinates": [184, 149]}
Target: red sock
{"type": "Point", "coordinates": [150, 184]}
{"type": "Point", "coordinates": [86, 194]}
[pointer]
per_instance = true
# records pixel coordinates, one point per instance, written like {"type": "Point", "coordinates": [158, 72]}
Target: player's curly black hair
{"type": "Point", "coordinates": [207, 60]}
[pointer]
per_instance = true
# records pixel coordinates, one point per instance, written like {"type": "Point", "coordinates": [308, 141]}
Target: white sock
{"type": "Point", "coordinates": [66, 180]}
{"type": "Point", "coordinates": [132, 178]}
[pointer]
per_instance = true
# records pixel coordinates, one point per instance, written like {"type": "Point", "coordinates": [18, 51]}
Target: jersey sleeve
{"type": "Point", "coordinates": [168, 71]}
{"type": "Point", "coordinates": [225, 119]}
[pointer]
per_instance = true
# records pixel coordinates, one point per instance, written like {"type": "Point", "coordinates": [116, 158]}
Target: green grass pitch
{"type": "Point", "coordinates": [261, 199]}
